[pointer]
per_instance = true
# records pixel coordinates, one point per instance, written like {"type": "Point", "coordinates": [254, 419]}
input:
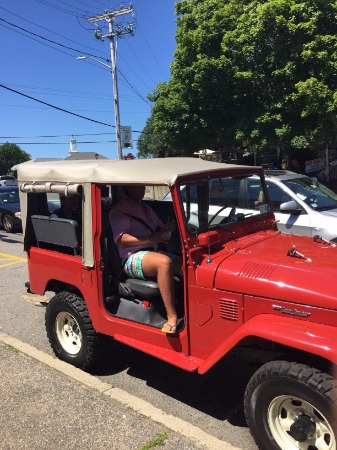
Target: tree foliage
{"type": "Point", "coordinates": [10, 155]}
{"type": "Point", "coordinates": [149, 142]}
{"type": "Point", "coordinates": [251, 75]}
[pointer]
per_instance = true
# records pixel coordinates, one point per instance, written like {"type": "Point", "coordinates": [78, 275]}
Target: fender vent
{"type": "Point", "coordinates": [254, 270]}
{"type": "Point", "coordinates": [229, 309]}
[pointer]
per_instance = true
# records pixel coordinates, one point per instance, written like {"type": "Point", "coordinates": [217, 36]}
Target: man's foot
{"type": "Point", "coordinates": [169, 328]}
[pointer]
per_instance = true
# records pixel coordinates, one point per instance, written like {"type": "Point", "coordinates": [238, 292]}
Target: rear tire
{"type": "Point", "coordinates": [291, 406]}
{"type": "Point", "coordinates": [71, 333]}
{"type": "Point", "coordinates": [8, 223]}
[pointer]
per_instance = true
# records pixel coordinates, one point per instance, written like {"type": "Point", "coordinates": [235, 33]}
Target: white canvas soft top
{"type": "Point", "coordinates": [156, 171]}
{"type": "Point", "coordinates": [67, 176]}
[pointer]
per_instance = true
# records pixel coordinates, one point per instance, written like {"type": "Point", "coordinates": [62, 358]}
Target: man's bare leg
{"type": "Point", "coordinates": [160, 266]}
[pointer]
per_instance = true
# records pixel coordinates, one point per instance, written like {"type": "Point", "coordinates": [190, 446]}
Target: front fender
{"type": "Point", "coordinates": [310, 337]}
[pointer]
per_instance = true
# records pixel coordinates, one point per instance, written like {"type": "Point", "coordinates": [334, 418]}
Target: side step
{"type": "Point", "coordinates": [188, 363]}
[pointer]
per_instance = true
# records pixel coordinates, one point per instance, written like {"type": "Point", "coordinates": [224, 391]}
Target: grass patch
{"type": "Point", "coordinates": [10, 348]}
{"type": "Point", "coordinates": [158, 440]}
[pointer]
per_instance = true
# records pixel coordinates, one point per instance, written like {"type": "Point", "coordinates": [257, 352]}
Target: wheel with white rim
{"type": "Point", "coordinates": [71, 333]}
{"type": "Point", "coordinates": [68, 332]}
{"type": "Point", "coordinates": [291, 406]}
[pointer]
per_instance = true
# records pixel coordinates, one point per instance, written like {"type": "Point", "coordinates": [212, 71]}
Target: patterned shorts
{"type": "Point", "coordinates": [133, 265]}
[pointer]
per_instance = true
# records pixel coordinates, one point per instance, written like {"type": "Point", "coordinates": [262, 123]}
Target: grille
{"type": "Point", "coordinates": [229, 309]}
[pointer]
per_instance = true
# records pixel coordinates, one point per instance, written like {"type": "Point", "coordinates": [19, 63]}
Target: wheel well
{"type": "Point", "coordinates": [264, 350]}
{"type": "Point", "coordinates": [59, 286]}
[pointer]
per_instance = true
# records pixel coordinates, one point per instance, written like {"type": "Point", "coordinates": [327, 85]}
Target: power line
{"type": "Point", "coordinates": [51, 31]}
{"type": "Point", "coordinates": [71, 13]}
{"type": "Point", "coordinates": [152, 53]}
{"type": "Point", "coordinates": [42, 37]}
{"type": "Point", "coordinates": [61, 109]}
{"type": "Point", "coordinates": [126, 81]}
{"type": "Point", "coordinates": [59, 135]}
{"type": "Point", "coordinates": [60, 143]}
{"type": "Point", "coordinates": [74, 7]}
{"type": "Point", "coordinates": [56, 107]}
{"type": "Point", "coordinates": [30, 37]}
{"type": "Point", "coordinates": [53, 136]}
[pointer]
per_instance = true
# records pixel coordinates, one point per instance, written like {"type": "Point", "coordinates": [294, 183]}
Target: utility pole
{"type": "Point", "coordinates": [114, 30]}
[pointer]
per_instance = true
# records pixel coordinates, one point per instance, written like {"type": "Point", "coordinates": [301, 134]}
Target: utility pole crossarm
{"type": "Point", "coordinates": [108, 15]}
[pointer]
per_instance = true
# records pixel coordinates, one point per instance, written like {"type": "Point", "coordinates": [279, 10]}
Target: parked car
{"type": "Point", "coordinates": [301, 205]}
{"type": "Point", "coordinates": [10, 210]}
{"type": "Point", "coordinates": [8, 180]}
{"type": "Point", "coordinates": [10, 216]}
{"type": "Point", "coordinates": [244, 286]}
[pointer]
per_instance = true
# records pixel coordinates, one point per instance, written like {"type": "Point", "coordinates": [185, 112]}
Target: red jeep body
{"type": "Point", "coordinates": [244, 283]}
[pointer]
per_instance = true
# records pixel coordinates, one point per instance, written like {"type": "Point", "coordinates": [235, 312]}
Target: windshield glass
{"type": "Point", "coordinates": [9, 197]}
{"type": "Point", "coordinates": [222, 201]}
{"type": "Point", "coordinates": [313, 193]}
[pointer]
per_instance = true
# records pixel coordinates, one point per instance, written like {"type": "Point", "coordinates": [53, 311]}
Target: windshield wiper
{"type": "Point", "coordinates": [326, 208]}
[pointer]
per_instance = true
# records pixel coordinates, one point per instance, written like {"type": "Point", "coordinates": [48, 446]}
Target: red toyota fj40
{"type": "Point", "coordinates": [243, 283]}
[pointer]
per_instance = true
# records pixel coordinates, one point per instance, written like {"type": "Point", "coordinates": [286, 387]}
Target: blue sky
{"type": "Point", "coordinates": [49, 72]}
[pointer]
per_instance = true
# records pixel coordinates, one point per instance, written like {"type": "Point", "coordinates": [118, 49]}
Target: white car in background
{"type": "Point", "coordinates": [8, 180]}
{"type": "Point", "coordinates": [301, 205]}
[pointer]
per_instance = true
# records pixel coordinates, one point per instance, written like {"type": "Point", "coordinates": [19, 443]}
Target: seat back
{"type": "Point", "coordinates": [56, 233]}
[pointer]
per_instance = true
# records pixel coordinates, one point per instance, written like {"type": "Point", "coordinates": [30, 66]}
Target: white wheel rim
{"type": "Point", "coordinates": [68, 333]}
{"type": "Point", "coordinates": [282, 413]}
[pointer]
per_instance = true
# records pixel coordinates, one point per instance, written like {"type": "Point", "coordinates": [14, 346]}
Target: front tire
{"type": "Point", "coordinates": [291, 406]}
{"type": "Point", "coordinates": [71, 333]}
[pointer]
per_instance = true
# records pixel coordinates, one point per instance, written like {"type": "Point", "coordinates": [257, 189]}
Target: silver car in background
{"type": "Point", "coordinates": [302, 205]}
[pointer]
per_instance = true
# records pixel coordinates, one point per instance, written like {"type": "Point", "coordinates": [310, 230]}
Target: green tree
{"type": "Point", "coordinates": [149, 141]}
{"type": "Point", "coordinates": [251, 74]}
{"type": "Point", "coordinates": [10, 155]}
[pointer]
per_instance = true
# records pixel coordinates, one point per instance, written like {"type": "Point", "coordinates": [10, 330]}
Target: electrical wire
{"type": "Point", "coordinates": [56, 107]}
{"type": "Point", "coordinates": [44, 38]}
{"type": "Point", "coordinates": [71, 13]}
{"type": "Point", "coordinates": [60, 109]}
{"type": "Point", "coordinates": [53, 136]}
{"type": "Point", "coordinates": [75, 7]}
{"type": "Point", "coordinates": [126, 81]}
{"type": "Point", "coordinates": [51, 31]}
{"type": "Point", "coordinates": [151, 51]}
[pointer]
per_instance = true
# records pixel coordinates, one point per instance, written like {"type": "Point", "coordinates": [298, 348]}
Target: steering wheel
{"type": "Point", "coordinates": [226, 219]}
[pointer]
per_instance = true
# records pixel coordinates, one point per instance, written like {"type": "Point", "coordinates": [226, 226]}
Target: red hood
{"type": "Point", "coordinates": [259, 265]}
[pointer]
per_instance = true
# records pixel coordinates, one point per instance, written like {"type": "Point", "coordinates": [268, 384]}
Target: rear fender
{"type": "Point", "coordinates": [310, 337]}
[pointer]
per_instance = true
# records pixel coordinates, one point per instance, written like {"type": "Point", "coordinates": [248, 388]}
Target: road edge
{"type": "Point", "coordinates": [135, 403]}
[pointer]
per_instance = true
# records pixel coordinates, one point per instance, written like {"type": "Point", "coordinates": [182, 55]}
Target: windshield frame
{"type": "Point", "coordinates": [212, 215]}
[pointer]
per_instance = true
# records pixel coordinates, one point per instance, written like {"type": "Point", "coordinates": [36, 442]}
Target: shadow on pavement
{"type": "Point", "coordinates": [218, 393]}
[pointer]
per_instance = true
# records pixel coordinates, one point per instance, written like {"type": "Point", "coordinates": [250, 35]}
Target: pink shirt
{"type": "Point", "coordinates": [120, 223]}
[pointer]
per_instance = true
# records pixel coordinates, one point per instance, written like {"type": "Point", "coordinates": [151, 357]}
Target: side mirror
{"type": "Point", "coordinates": [290, 207]}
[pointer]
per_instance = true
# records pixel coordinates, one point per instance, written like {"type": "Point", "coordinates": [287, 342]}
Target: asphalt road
{"type": "Point", "coordinates": [212, 402]}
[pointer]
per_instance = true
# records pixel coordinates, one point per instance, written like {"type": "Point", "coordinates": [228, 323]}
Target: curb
{"type": "Point", "coordinates": [137, 404]}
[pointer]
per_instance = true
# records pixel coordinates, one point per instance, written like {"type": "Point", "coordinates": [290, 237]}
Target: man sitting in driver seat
{"type": "Point", "coordinates": [137, 231]}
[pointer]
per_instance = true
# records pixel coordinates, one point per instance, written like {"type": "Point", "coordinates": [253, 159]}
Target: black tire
{"type": "Point", "coordinates": [8, 223]}
{"type": "Point", "coordinates": [291, 406]}
{"type": "Point", "coordinates": [71, 333]}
